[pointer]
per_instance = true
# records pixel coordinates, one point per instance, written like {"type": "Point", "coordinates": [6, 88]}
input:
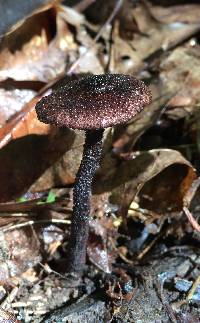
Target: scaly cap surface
{"type": "Point", "coordinates": [94, 102]}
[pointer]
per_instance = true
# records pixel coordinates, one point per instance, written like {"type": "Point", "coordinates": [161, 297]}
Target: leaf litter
{"type": "Point", "coordinates": [143, 258]}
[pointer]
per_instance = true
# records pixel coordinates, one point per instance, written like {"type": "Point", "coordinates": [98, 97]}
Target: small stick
{"type": "Point", "coordinates": [83, 4]}
{"type": "Point", "coordinates": [191, 219]}
{"type": "Point", "coordinates": [193, 289]}
{"type": "Point", "coordinates": [29, 223]}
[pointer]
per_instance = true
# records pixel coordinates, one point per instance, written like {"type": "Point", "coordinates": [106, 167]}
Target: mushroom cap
{"type": "Point", "coordinates": [94, 102]}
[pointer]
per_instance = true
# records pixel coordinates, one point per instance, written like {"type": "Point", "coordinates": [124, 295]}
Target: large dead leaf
{"type": "Point", "coordinates": [37, 55]}
{"type": "Point", "coordinates": [25, 122]}
{"type": "Point", "coordinates": [129, 57]}
{"type": "Point", "coordinates": [128, 178]}
{"type": "Point", "coordinates": [28, 157]}
{"type": "Point", "coordinates": [64, 170]}
{"type": "Point", "coordinates": [13, 17]}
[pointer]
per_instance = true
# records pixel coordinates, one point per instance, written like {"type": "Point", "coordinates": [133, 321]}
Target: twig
{"type": "Point", "coordinates": [193, 289]}
{"type": "Point", "coordinates": [187, 201]}
{"type": "Point", "coordinates": [83, 4]}
{"type": "Point", "coordinates": [29, 223]}
{"type": "Point", "coordinates": [48, 270]}
{"type": "Point", "coordinates": [9, 299]}
{"type": "Point", "coordinates": [123, 257]}
{"type": "Point", "coordinates": [150, 245]}
{"type": "Point", "coordinates": [31, 206]}
{"type": "Point", "coordinates": [191, 219]}
{"type": "Point", "coordinates": [165, 303]}
{"type": "Point", "coordinates": [191, 192]}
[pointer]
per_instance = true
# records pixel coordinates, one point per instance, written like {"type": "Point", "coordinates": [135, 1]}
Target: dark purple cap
{"type": "Point", "coordinates": [94, 102]}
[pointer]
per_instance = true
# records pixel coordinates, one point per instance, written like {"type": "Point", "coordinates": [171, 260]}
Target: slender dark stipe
{"type": "Point", "coordinates": [81, 198]}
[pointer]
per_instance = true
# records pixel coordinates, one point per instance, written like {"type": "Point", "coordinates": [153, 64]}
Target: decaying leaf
{"type": "Point", "coordinates": [13, 17]}
{"type": "Point", "coordinates": [19, 251]}
{"type": "Point", "coordinates": [64, 170]}
{"type": "Point", "coordinates": [12, 102]}
{"type": "Point", "coordinates": [98, 244]}
{"type": "Point", "coordinates": [130, 177]}
{"type": "Point", "coordinates": [157, 41]}
{"type": "Point", "coordinates": [129, 57]}
{"type": "Point", "coordinates": [24, 123]}
{"type": "Point", "coordinates": [40, 57]}
{"type": "Point", "coordinates": [180, 74]}
{"type": "Point", "coordinates": [34, 155]}
{"type": "Point", "coordinates": [185, 13]}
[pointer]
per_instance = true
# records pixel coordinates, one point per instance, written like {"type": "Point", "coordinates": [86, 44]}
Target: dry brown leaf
{"type": "Point", "coordinates": [37, 59]}
{"type": "Point", "coordinates": [186, 13]}
{"type": "Point", "coordinates": [13, 17]}
{"type": "Point", "coordinates": [180, 74]}
{"type": "Point", "coordinates": [12, 102]}
{"type": "Point", "coordinates": [23, 123]}
{"type": "Point", "coordinates": [64, 170]}
{"type": "Point", "coordinates": [20, 251]}
{"type": "Point", "coordinates": [25, 159]}
{"type": "Point", "coordinates": [128, 179]}
{"type": "Point", "coordinates": [165, 192]}
{"type": "Point", "coordinates": [129, 56]}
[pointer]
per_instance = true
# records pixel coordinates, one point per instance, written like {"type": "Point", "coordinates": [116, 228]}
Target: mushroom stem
{"type": "Point", "coordinates": [81, 199]}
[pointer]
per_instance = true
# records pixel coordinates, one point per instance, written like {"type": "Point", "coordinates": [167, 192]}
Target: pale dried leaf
{"type": "Point", "coordinates": [186, 13]}
{"type": "Point", "coordinates": [180, 74]}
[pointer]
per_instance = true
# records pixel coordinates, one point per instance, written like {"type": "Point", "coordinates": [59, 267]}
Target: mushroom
{"type": "Point", "coordinates": [92, 103]}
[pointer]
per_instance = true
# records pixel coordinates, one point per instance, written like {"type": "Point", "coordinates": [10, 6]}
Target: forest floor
{"type": "Point", "coordinates": [143, 256]}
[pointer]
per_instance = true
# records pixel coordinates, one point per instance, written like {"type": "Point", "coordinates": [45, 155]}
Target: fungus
{"type": "Point", "coordinates": [92, 103]}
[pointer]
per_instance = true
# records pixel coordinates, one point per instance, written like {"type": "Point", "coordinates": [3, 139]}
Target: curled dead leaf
{"type": "Point", "coordinates": [131, 176]}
